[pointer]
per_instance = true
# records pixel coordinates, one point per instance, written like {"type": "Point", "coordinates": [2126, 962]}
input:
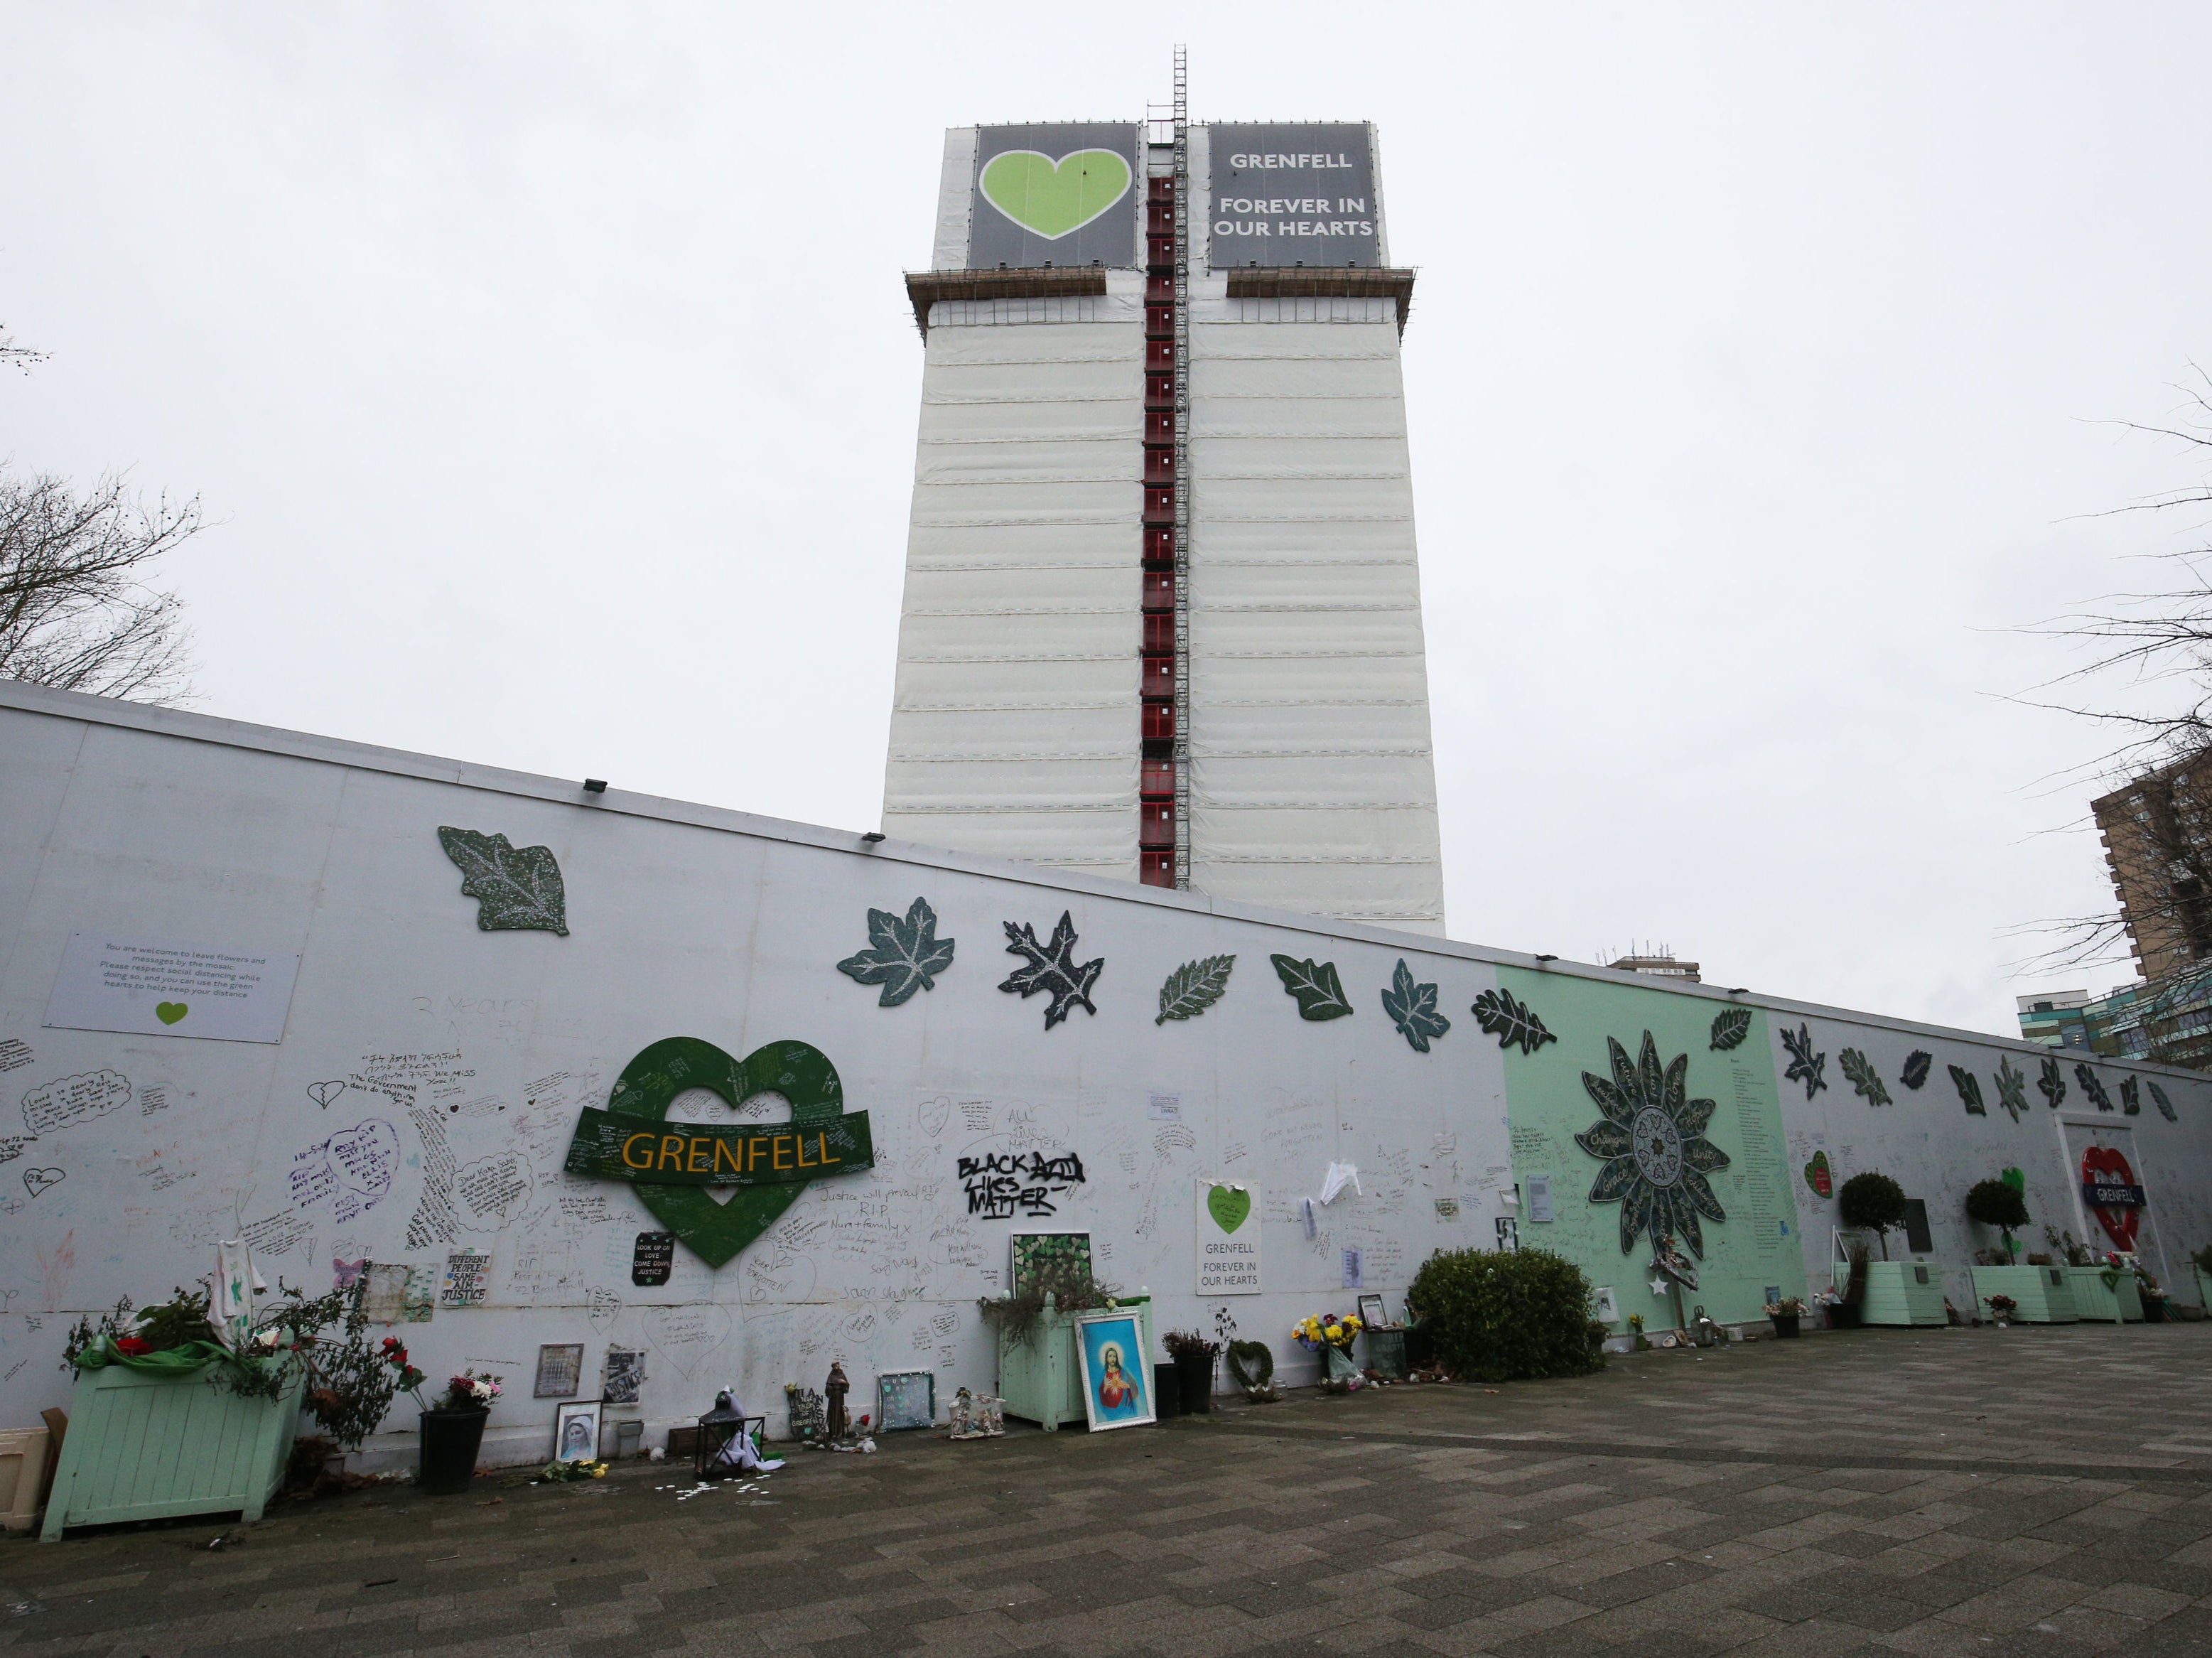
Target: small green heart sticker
{"type": "Point", "coordinates": [1054, 198]}
{"type": "Point", "coordinates": [170, 1012]}
{"type": "Point", "coordinates": [801, 1073]}
{"type": "Point", "coordinates": [1228, 1205]}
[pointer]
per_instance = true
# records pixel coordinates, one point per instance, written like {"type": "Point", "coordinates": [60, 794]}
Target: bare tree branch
{"type": "Point", "coordinates": [75, 609]}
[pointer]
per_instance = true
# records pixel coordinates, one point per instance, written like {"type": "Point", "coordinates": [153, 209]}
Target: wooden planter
{"type": "Point", "coordinates": [1041, 1379]}
{"type": "Point", "coordinates": [2094, 1302]}
{"type": "Point", "coordinates": [147, 1446]}
{"type": "Point", "coordinates": [1900, 1292]}
{"type": "Point", "coordinates": [2043, 1294]}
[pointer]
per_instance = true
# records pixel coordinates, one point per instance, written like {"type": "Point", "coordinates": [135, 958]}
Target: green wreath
{"type": "Point", "coordinates": [1252, 1368]}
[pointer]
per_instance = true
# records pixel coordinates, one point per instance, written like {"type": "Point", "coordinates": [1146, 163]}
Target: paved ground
{"type": "Point", "coordinates": [1973, 1492]}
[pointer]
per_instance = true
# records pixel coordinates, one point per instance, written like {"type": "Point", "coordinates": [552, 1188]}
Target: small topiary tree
{"type": "Point", "coordinates": [1507, 1315]}
{"type": "Point", "coordinates": [1999, 1204]}
{"type": "Point", "coordinates": [1874, 1200]}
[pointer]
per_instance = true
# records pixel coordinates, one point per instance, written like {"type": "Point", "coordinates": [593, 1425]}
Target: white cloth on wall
{"type": "Point", "coordinates": [1340, 1175]}
{"type": "Point", "coordinates": [236, 1283]}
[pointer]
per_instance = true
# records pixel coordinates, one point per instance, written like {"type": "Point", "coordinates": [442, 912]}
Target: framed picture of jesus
{"type": "Point", "coordinates": [1116, 1372]}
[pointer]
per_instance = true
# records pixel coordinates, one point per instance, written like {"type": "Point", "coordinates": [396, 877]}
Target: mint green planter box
{"type": "Point", "coordinates": [145, 1446]}
{"type": "Point", "coordinates": [2094, 1302]}
{"type": "Point", "coordinates": [1903, 1292]}
{"type": "Point", "coordinates": [2203, 1290]}
{"type": "Point", "coordinates": [2043, 1292]}
{"type": "Point", "coordinates": [1041, 1379]}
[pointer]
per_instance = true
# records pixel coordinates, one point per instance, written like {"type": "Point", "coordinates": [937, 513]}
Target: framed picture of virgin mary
{"type": "Point", "coordinates": [1117, 1373]}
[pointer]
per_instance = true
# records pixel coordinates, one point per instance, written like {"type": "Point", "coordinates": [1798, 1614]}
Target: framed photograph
{"type": "Point", "coordinates": [624, 1375]}
{"type": "Point", "coordinates": [1372, 1312]}
{"type": "Point", "coordinates": [1046, 1260]}
{"type": "Point", "coordinates": [560, 1371]}
{"type": "Point", "coordinates": [1116, 1375]}
{"type": "Point", "coordinates": [576, 1431]}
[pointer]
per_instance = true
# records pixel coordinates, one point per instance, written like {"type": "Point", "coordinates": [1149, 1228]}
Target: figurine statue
{"type": "Point", "coordinates": [835, 1390]}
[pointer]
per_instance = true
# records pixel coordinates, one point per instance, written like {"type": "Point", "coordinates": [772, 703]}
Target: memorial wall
{"type": "Point", "coordinates": [722, 1099]}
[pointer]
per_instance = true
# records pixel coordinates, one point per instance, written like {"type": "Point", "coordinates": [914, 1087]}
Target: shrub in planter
{"type": "Point", "coordinates": [1194, 1356]}
{"type": "Point", "coordinates": [1873, 1201]}
{"type": "Point", "coordinates": [1996, 1203]}
{"type": "Point", "coordinates": [1507, 1315]}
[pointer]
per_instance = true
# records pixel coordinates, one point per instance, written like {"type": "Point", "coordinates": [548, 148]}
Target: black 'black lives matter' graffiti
{"type": "Point", "coordinates": [1006, 1183]}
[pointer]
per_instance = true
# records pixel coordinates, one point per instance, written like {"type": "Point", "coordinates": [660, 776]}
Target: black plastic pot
{"type": "Point", "coordinates": [450, 1441]}
{"type": "Point", "coordinates": [1194, 1381]}
{"type": "Point", "coordinates": [2154, 1309]}
{"type": "Point", "coordinates": [1785, 1325]}
{"type": "Point", "coordinates": [1843, 1318]}
{"type": "Point", "coordinates": [1167, 1392]}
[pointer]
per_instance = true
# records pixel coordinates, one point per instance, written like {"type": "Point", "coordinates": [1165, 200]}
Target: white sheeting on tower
{"type": "Point", "coordinates": [1014, 724]}
{"type": "Point", "coordinates": [1313, 784]}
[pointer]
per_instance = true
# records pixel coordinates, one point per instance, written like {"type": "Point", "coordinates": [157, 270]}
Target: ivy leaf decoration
{"type": "Point", "coordinates": [1512, 1023]}
{"type": "Point", "coordinates": [515, 887]}
{"type": "Point", "coordinates": [1970, 1091]}
{"type": "Point", "coordinates": [2091, 1087]}
{"type": "Point", "coordinates": [1917, 1064]}
{"type": "Point", "coordinates": [1730, 1027]}
{"type": "Point", "coordinates": [903, 956]}
{"type": "Point", "coordinates": [1805, 1066]}
{"type": "Point", "coordinates": [2131, 1097]}
{"type": "Point", "coordinates": [1052, 968]}
{"type": "Point", "coordinates": [1865, 1080]}
{"type": "Point", "coordinates": [1412, 1009]}
{"type": "Point", "coordinates": [2165, 1106]}
{"type": "Point", "coordinates": [2053, 1082]}
{"type": "Point", "coordinates": [2012, 1089]}
{"type": "Point", "coordinates": [1193, 988]}
{"type": "Point", "coordinates": [1320, 993]}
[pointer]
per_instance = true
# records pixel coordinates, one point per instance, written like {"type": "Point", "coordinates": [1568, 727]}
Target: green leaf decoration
{"type": "Point", "coordinates": [2012, 1089]}
{"type": "Point", "coordinates": [1915, 1074]}
{"type": "Point", "coordinates": [1970, 1091]}
{"type": "Point", "coordinates": [2093, 1088]}
{"type": "Point", "coordinates": [1864, 1079]}
{"type": "Point", "coordinates": [2165, 1106]}
{"type": "Point", "coordinates": [902, 955]}
{"type": "Point", "coordinates": [1412, 1009]}
{"type": "Point", "coordinates": [1193, 988]}
{"type": "Point", "coordinates": [1320, 993]}
{"type": "Point", "coordinates": [2052, 1082]}
{"type": "Point", "coordinates": [2130, 1096]}
{"type": "Point", "coordinates": [1731, 1026]}
{"type": "Point", "coordinates": [1052, 968]}
{"type": "Point", "coordinates": [516, 888]}
{"type": "Point", "coordinates": [1805, 1066]}
{"type": "Point", "coordinates": [1514, 1023]}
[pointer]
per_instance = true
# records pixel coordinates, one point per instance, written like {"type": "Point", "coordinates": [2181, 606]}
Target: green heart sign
{"type": "Point", "coordinates": [1054, 198]}
{"type": "Point", "coordinates": [1228, 1206]}
{"type": "Point", "coordinates": [170, 1012]}
{"type": "Point", "coordinates": [716, 1231]}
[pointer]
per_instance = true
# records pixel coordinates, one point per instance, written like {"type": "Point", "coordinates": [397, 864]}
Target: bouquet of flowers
{"type": "Point", "coordinates": [2003, 1306]}
{"type": "Point", "coordinates": [1315, 1331]}
{"type": "Point", "coordinates": [1788, 1307]}
{"type": "Point", "coordinates": [465, 1392]}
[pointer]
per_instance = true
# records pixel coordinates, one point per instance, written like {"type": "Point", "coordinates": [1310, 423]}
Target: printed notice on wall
{"type": "Point", "coordinates": [468, 1279]}
{"type": "Point", "coordinates": [1228, 1239]}
{"type": "Point", "coordinates": [227, 994]}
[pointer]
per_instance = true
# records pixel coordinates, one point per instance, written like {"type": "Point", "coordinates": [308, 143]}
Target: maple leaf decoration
{"type": "Point", "coordinates": [1412, 1009]}
{"type": "Point", "coordinates": [1052, 968]}
{"type": "Point", "coordinates": [902, 955]}
{"type": "Point", "coordinates": [516, 888]}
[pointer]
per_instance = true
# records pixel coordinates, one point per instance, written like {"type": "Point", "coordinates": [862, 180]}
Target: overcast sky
{"type": "Point", "coordinates": [548, 371]}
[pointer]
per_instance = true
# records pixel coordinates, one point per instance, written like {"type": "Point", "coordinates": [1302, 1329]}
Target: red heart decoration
{"type": "Point", "coordinates": [2119, 1224]}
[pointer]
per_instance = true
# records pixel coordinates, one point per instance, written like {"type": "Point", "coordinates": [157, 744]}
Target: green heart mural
{"type": "Point", "coordinates": [170, 1012]}
{"type": "Point", "coordinates": [801, 1073]}
{"type": "Point", "coordinates": [1228, 1206]}
{"type": "Point", "coordinates": [1051, 198]}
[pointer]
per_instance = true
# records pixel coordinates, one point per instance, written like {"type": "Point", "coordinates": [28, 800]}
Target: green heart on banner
{"type": "Point", "coordinates": [801, 1073]}
{"type": "Point", "coordinates": [170, 1012]}
{"type": "Point", "coordinates": [1054, 198]}
{"type": "Point", "coordinates": [1228, 1204]}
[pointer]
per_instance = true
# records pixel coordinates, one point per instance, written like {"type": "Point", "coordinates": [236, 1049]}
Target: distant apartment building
{"type": "Point", "coordinates": [2169, 1022]}
{"type": "Point", "coordinates": [2157, 834]}
{"type": "Point", "coordinates": [2056, 1018]}
{"type": "Point", "coordinates": [1659, 963]}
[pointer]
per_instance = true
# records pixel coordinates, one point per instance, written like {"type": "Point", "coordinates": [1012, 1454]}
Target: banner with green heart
{"type": "Point", "coordinates": [769, 1165]}
{"type": "Point", "coordinates": [1228, 1239]}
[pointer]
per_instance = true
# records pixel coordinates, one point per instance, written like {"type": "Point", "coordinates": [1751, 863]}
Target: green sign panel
{"type": "Point", "coordinates": [671, 1165]}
